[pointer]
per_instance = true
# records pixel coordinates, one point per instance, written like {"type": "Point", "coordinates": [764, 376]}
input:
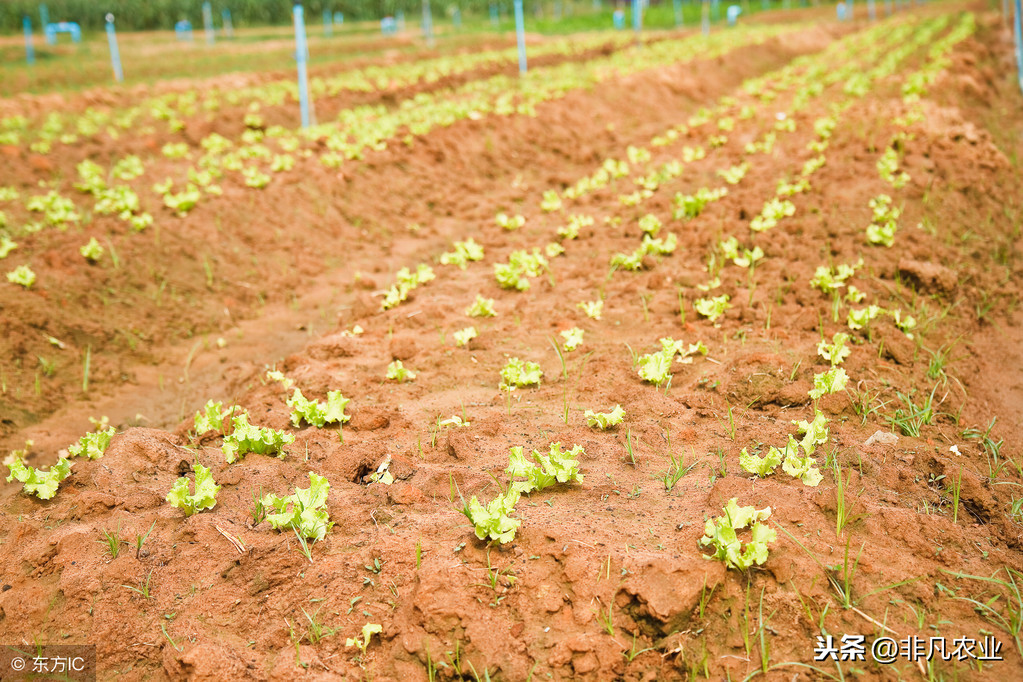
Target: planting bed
{"type": "Point", "coordinates": [725, 237]}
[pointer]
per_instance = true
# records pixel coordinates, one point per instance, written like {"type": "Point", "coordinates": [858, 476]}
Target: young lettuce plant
{"type": "Point", "coordinates": [6, 245]}
{"type": "Point", "coordinates": [205, 496]}
{"type": "Point", "coordinates": [464, 252]}
{"type": "Point", "coordinates": [92, 251]}
{"type": "Point", "coordinates": [520, 266]}
{"type": "Point", "coordinates": [712, 308]}
{"type": "Point", "coordinates": [573, 337]}
{"type": "Point", "coordinates": [551, 201]}
{"type": "Point", "coordinates": [826, 383]}
{"type": "Point", "coordinates": [305, 512]}
{"type": "Point", "coordinates": [92, 445]}
{"type": "Point", "coordinates": [405, 282]}
{"type": "Point", "coordinates": [398, 372]}
{"type": "Point", "coordinates": [481, 307]}
{"type": "Point", "coordinates": [517, 374]}
{"type": "Point", "coordinates": [836, 352]}
{"type": "Point", "coordinates": [592, 309]}
{"type": "Point", "coordinates": [42, 484]}
{"type": "Point", "coordinates": [555, 467]}
{"type": "Point", "coordinates": [509, 223]}
{"type": "Point", "coordinates": [211, 417]}
{"type": "Point", "coordinates": [316, 413]}
{"type": "Point", "coordinates": [494, 521]}
{"type": "Point", "coordinates": [721, 534]}
{"type": "Point", "coordinates": [464, 336]}
{"type": "Point", "coordinates": [22, 275]}
{"type": "Point", "coordinates": [248, 438]}
{"type": "Point", "coordinates": [605, 420]}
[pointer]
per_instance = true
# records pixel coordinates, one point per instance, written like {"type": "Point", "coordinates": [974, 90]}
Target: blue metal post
{"type": "Point", "coordinates": [328, 23]}
{"type": "Point", "coordinates": [1017, 26]}
{"type": "Point", "coordinates": [679, 19]}
{"type": "Point", "coordinates": [115, 54]}
{"type": "Point", "coordinates": [705, 19]}
{"type": "Point", "coordinates": [456, 18]}
{"type": "Point", "coordinates": [207, 20]}
{"type": "Point", "coordinates": [494, 18]}
{"type": "Point", "coordinates": [228, 26]}
{"type": "Point", "coordinates": [301, 57]}
{"type": "Point", "coordinates": [427, 23]}
{"type": "Point", "coordinates": [871, 10]}
{"type": "Point", "coordinates": [520, 33]}
{"type": "Point", "coordinates": [30, 52]}
{"type": "Point", "coordinates": [44, 15]}
{"type": "Point", "coordinates": [637, 16]}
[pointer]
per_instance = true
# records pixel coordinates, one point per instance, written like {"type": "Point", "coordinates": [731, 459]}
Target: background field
{"type": "Point", "coordinates": [273, 249]}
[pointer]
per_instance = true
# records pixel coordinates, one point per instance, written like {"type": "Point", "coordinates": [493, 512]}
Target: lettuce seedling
{"type": "Point", "coordinates": [512, 223]}
{"type": "Point", "coordinates": [248, 438]}
{"type": "Point", "coordinates": [6, 246]}
{"type": "Point", "coordinates": [862, 317]}
{"type": "Point", "coordinates": [888, 169]}
{"type": "Point", "coordinates": [721, 534]}
{"type": "Point", "coordinates": [836, 352]}
{"type": "Point", "coordinates": [788, 189]}
{"type": "Point", "coordinates": [816, 432]}
{"type": "Point", "coordinates": [279, 377]}
{"type": "Point", "coordinates": [464, 336]}
{"type": "Point", "coordinates": [304, 512]}
{"type": "Point", "coordinates": [205, 496]}
{"type": "Point", "coordinates": [553, 250]}
{"type": "Point", "coordinates": [494, 521]}
{"type": "Point", "coordinates": [659, 246]}
{"type": "Point", "coordinates": [573, 337]}
{"type": "Point", "coordinates": [465, 251]}
{"type": "Point", "coordinates": [481, 307]}
{"type": "Point", "coordinates": [884, 222]}
{"type": "Point", "coordinates": [762, 465]}
{"type": "Point", "coordinates": [368, 630]}
{"type": "Point", "coordinates": [405, 282]}
{"type": "Point", "coordinates": [92, 251]}
{"type": "Point", "coordinates": [904, 324]}
{"type": "Point", "coordinates": [656, 367]}
{"type": "Point", "coordinates": [398, 372]}
{"type": "Point", "coordinates": [92, 445]}
{"type": "Point", "coordinates": [734, 174]}
{"type": "Point", "coordinates": [628, 261]}
{"type": "Point", "coordinates": [521, 265]}
{"type": "Point", "coordinates": [829, 280]}
{"type": "Point", "coordinates": [803, 468]}
{"type": "Point", "coordinates": [774, 210]}
{"type": "Point", "coordinates": [712, 308]}
{"type": "Point", "coordinates": [551, 201]}
{"type": "Point", "coordinates": [22, 275]}
{"type": "Point", "coordinates": [549, 469]}
{"type": "Point", "coordinates": [650, 224]}
{"type": "Point", "coordinates": [690, 206]}
{"type": "Point", "coordinates": [517, 373]}
{"type": "Point", "coordinates": [825, 383]}
{"type": "Point", "coordinates": [592, 309]}
{"type": "Point", "coordinates": [211, 417]}
{"type": "Point", "coordinates": [317, 413]}
{"type": "Point", "coordinates": [605, 420]}
{"type": "Point", "coordinates": [42, 484]}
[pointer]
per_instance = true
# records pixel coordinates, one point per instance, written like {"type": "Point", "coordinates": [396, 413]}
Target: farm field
{"type": "Point", "coordinates": [699, 358]}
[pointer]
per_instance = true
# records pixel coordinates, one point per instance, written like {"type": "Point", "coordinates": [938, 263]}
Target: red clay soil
{"type": "Point", "coordinates": [605, 579]}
